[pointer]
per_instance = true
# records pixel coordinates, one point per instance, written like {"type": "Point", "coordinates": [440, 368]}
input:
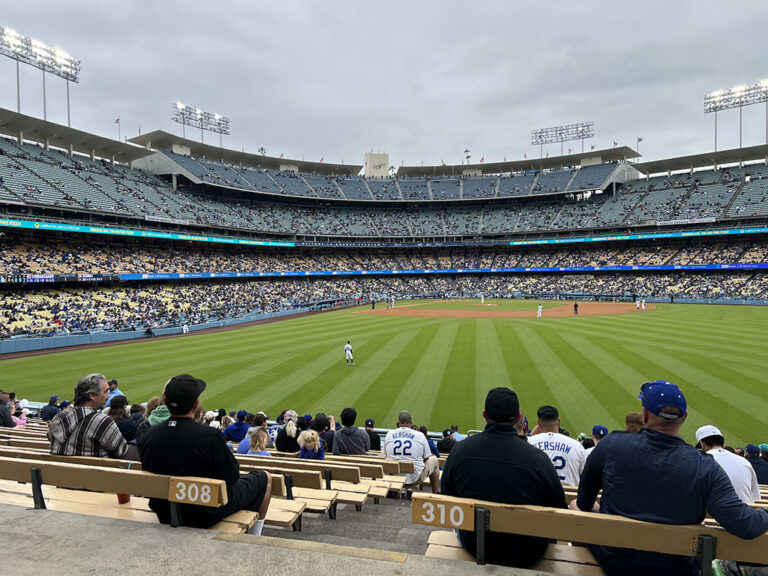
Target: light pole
{"type": "Point", "coordinates": [738, 97]}
{"type": "Point", "coordinates": [33, 52]}
{"type": "Point", "coordinates": [562, 134]}
{"type": "Point", "coordinates": [187, 116]}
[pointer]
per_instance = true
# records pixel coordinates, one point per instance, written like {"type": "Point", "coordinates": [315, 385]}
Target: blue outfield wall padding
{"type": "Point", "coordinates": [32, 343]}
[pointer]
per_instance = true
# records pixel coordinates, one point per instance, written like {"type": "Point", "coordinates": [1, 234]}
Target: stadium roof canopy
{"type": "Point", "coordinates": [721, 158]}
{"type": "Point", "coordinates": [44, 132]}
{"type": "Point", "coordinates": [161, 140]}
{"type": "Point", "coordinates": [601, 156]}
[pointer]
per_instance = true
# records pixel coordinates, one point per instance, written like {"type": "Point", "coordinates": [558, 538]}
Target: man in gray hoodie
{"type": "Point", "coordinates": [350, 439]}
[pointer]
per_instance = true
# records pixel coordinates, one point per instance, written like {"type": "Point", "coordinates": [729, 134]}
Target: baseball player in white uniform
{"type": "Point", "coordinates": [348, 354]}
{"type": "Point", "coordinates": [539, 311]}
{"type": "Point", "coordinates": [567, 454]}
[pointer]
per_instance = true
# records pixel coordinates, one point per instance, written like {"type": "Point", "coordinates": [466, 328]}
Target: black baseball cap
{"type": "Point", "coordinates": [181, 393]}
{"type": "Point", "coordinates": [502, 405]}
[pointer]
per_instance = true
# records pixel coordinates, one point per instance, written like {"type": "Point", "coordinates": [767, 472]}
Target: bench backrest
{"type": "Point", "coordinates": [585, 527]}
{"type": "Point", "coordinates": [182, 489]}
{"type": "Point", "coordinates": [338, 471]}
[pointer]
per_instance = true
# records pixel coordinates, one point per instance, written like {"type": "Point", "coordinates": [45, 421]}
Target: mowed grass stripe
{"type": "Point", "coordinates": [399, 385]}
{"type": "Point", "coordinates": [567, 388]}
{"type": "Point", "coordinates": [707, 353]}
{"type": "Point", "coordinates": [669, 331]}
{"type": "Point", "coordinates": [611, 392]}
{"type": "Point", "coordinates": [370, 372]}
{"type": "Point", "coordinates": [490, 368]}
{"type": "Point", "coordinates": [305, 395]}
{"type": "Point", "coordinates": [703, 407]}
{"type": "Point", "coordinates": [527, 380]}
{"type": "Point", "coordinates": [442, 385]}
{"type": "Point", "coordinates": [626, 333]}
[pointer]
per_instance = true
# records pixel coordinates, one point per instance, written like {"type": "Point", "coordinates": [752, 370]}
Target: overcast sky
{"type": "Point", "coordinates": [420, 80]}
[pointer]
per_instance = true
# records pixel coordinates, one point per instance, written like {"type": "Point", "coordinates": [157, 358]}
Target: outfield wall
{"type": "Point", "coordinates": [46, 343]}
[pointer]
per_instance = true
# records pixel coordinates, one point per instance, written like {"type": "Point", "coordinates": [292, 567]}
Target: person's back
{"type": "Point", "coordinates": [182, 446]}
{"type": "Point", "coordinates": [236, 432]}
{"type": "Point", "coordinates": [760, 466]}
{"type": "Point", "coordinates": [50, 410]}
{"type": "Point", "coordinates": [405, 443]}
{"type": "Point", "coordinates": [566, 454]}
{"type": "Point", "coordinates": [740, 473]}
{"type": "Point", "coordinates": [500, 466]}
{"type": "Point", "coordinates": [654, 476]}
{"type": "Point", "coordinates": [350, 439]}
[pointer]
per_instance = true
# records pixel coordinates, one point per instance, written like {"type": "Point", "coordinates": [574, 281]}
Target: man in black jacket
{"type": "Point", "coordinates": [181, 446]}
{"type": "Point", "coordinates": [499, 466]}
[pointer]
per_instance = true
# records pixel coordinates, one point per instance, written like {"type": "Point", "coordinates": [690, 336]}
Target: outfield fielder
{"type": "Point", "coordinates": [348, 354]}
{"type": "Point", "coordinates": [482, 299]}
{"type": "Point", "coordinates": [539, 310]}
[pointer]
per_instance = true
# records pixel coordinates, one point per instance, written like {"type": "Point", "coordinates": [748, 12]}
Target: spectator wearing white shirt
{"type": "Point", "coordinates": [737, 468]}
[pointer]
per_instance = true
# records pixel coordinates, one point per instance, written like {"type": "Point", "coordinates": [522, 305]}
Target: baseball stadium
{"type": "Point", "coordinates": [571, 279]}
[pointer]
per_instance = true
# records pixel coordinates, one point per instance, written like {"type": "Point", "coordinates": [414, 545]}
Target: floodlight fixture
{"type": "Point", "coordinates": [579, 131]}
{"type": "Point", "coordinates": [197, 118]}
{"type": "Point", "coordinates": [29, 51]}
{"type": "Point", "coordinates": [738, 97]}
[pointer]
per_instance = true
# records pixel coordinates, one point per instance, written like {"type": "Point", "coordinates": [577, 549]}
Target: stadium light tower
{"type": "Point", "coordinates": [738, 97]}
{"type": "Point", "coordinates": [33, 52]}
{"type": "Point", "coordinates": [579, 131]}
{"type": "Point", "coordinates": [193, 116]}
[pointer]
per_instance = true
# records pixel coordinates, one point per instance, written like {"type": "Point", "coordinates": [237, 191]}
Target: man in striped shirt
{"type": "Point", "coordinates": [85, 431]}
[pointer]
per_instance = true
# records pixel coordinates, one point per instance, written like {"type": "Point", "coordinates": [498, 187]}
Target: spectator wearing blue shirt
{"type": "Point", "coordinates": [113, 391]}
{"type": "Point", "coordinates": [752, 453]}
{"type": "Point", "coordinates": [236, 432]}
{"type": "Point", "coordinates": [456, 436]}
{"type": "Point", "coordinates": [432, 446]}
{"type": "Point", "coordinates": [654, 476]}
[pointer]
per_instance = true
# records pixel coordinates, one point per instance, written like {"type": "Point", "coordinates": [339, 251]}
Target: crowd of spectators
{"type": "Point", "coordinates": [73, 310]}
{"type": "Point", "coordinates": [47, 255]}
{"type": "Point", "coordinates": [99, 186]}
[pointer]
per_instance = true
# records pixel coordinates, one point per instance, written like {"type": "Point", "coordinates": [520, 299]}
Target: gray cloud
{"type": "Point", "coordinates": [421, 80]}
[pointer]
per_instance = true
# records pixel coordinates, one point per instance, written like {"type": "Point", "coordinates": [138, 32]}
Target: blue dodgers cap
{"type": "Point", "coordinates": [369, 422]}
{"type": "Point", "coordinates": [752, 450]}
{"type": "Point", "coordinates": [659, 394]}
{"type": "Point", "coordinates": [54, 398]}
{"type": "Point", "coordinates": [242, 415]}
{"type": "Point", "coordinates": [599, 430]}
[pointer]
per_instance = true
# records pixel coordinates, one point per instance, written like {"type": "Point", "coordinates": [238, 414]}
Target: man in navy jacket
{"type": "Point", "coordinates": [655, 476]}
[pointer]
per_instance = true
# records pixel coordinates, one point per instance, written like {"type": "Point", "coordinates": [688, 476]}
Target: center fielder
{"type": "Point", "coordinates": [348, 354]}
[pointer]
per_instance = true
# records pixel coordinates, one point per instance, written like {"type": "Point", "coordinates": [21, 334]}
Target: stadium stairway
{"type": "Point", "coordinates": [44, 541]}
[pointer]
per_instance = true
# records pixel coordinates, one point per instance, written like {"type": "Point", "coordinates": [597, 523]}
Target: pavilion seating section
{"type": "Point", "coordinates": [449, 189]}
{"type": "Point", "coordinates": [552, 181]}
{"type": "Point", "coordinates": [591, 177]}
{"type": "Point", "coordinates": [479, 187]}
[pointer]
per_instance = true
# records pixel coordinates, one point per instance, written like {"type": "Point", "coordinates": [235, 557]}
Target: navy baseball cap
{"type": "Point", "coordinates": [64, 404]}
{"type": "Point", "coordinates": [370, 422]}
{"type": "Point", "coordinates": [242, 414]}
{"type": "Point", "coordinates": [54, 398]}
{"type": "Point", "coordinates": [752, 449]}
{"type": "Point", "coordinates": [599, 430]}
{"type": "Point", "coordinates": [659, 394]}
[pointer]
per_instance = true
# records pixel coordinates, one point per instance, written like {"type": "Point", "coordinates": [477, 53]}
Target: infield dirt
{"type": "Point", "coordinates": [585, 309]}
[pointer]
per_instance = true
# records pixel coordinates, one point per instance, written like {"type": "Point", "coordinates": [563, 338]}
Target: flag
{"type": "Point", "coordinates": [547, 154]}
{"type": "Point", "coordinates": [639, 139]}
{"type": "Point", "coordinates": [525, 155]}
{"type": "Point", "coordinates": [281, 154]}
{"type": "Point", "coordinates": [321, 159]}
{"type": "Point", "coordinates": [570, 150]}
{"type": "Point", "coordinates": [615, 143]}
{"type": "Point", "coordinates": [442, 161]}
{"type": "Point", "coordinates": [505, 157]}
{"type": "Point", "coordinates": [117, 120]}
{"type": "Point", "coordinates": [593, 147]}
{"type": "Point", "coordinates": [482, 159]}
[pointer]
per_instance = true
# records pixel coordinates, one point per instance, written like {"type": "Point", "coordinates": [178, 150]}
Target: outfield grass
{"type": "Point", "coordinates": [589, 367]}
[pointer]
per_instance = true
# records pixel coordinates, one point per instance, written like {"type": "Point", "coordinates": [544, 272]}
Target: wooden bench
{"type": "Point", "coordinates": [282, 510]}
{"type": "Point", "coordinates": [705, 542]}
{"type": "Point", "coordinates": [175, 489]}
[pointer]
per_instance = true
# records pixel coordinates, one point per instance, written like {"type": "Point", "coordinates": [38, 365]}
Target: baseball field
{"type": "Point", "coordinates": [438, 359]}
